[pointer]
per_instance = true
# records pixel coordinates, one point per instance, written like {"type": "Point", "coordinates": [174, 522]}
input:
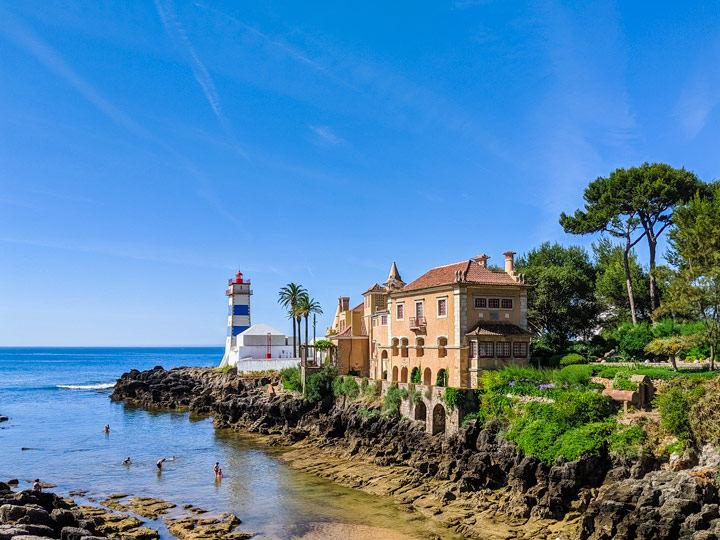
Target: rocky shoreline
{"type": "Point", "coordinates": [474, 483]}
{"type": "Point", "coordinates": [35, 515]}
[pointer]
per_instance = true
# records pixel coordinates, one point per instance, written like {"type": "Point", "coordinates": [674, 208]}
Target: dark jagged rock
{"type": "Point", "coordinates": [599, 499]}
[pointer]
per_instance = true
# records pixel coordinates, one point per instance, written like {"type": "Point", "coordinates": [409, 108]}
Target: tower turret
{"type": "Point", "coordinates": [238, 294]}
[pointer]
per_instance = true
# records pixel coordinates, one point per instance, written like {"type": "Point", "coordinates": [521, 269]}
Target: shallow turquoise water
{"type": "Point", "coordinates": [57, 407]}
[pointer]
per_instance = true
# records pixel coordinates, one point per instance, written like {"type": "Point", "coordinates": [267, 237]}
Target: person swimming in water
{"type": "Point", "coordinates": [107, 428]}
{"type": "Point", "coordinates": [160, 462]}
{"type": "Point", "coordinates": [127, 461]}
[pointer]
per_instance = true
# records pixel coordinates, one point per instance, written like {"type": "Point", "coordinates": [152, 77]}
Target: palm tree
{"type": "Point", "coordinates": [288, 297]}
{"type": "Point", "coordinates": [306, 306]}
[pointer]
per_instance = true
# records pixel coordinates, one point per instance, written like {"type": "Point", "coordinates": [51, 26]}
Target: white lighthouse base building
{"type": "Point", "coordinates": [261, 348]}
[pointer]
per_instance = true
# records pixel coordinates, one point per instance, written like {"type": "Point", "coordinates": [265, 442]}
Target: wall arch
{"type": "Point", "coordinates": [442, 378]}
{"type": "Point", "coordinates": [403, 375]}
{"type": "Point", "coordinates": [438, 425]}
{"type": "Point", "coordinates": [394, 374]}
{"type": "Point", "coordinates": [427, 377]}
{"type": "Point", "coordinates": [421, 412]}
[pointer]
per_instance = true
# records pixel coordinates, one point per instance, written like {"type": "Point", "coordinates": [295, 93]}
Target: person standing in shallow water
{"type": "Point", "coordinates": [160, 462]}
{"type": "Point", "coordinates": [216, 468]}
{"type": "Point", "coordinates": [107, 429]}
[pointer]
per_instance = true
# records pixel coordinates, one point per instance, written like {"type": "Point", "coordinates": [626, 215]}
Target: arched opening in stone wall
{"type": "Point", "coordinates": [427, 377]}
{"type": "Point", "coordinates": [404, 347]}
{"type": "Point", "coordinates": [441, 378]}
{"type": "Point", "coordinates": [419, 346]}
{"type": "Point", "coordinates": [395, 374]}
{"type": "Point", "coordinates": [403, 375]}
{"type": "Point", "coordinates": [421, 412]}
{"type": "Point", "coordinates": [438, 419]}
{"type": "Point", "coordinates": [384, 357]}
{"type": "Point", "coordinates": [415, 376]}
{"type": "Point", "coordinates": [394, 344]}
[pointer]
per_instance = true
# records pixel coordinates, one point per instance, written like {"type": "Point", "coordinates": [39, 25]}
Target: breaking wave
{"type": "Point", "coordinates": [99, 386]}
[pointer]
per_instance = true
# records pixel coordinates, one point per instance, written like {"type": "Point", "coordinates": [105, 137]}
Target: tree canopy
{"type": "Point", "coordinates": [561, 305]}
{"type": "Point", "coordinates": [633, 204]}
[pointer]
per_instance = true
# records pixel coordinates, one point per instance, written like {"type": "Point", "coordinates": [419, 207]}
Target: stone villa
{"type": "Point", "coordinates": [441, 329]}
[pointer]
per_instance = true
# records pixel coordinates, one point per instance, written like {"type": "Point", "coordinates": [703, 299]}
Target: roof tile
{"type": "Point", "coordinates": [474, 274]}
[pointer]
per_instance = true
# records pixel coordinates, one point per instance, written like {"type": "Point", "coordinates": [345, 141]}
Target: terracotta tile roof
{"type": "Point", "coordinates": [359, 307]}
{"type": "Point", "coordinates": [348, 331]}
{"type": "Point", "coordinates": [473, 272]}
{"type": "Point", "coordinates": [482, 328]}
{"type": "Point", "coordinates": [375, 289]}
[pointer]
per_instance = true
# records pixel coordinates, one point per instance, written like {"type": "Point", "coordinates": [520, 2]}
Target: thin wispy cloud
{"type": "Point", "coordinates": [700, 94]}
{"type": "Point", "coordinates": [26, 39]}
{"type": "Point", "coordinates": [176, 31]}
{"type": "Point", "coordinates": [326, 135]}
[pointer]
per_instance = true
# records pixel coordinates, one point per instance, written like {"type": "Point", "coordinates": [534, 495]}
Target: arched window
{"type": "Point", "coordinates": [441, 378]}
{"type": "Point", "coordinates": [416, 376]}
{"type": "Point", "coordinates": [394, 374]}
{"type": "Point", "coordinates": [427, 377]}
{"type": "Point", "coordinates": [394, 344]}
{"type": "Point", "coordinates": [404, 347]}
{"type": "Point", "coordinates": [419, 346]}
{"type": "Point", "coordinates": [403, 374]}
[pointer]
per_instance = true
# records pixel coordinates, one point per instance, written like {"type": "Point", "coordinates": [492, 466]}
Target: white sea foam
{"type": "Point", "coordinates": [99, 386]}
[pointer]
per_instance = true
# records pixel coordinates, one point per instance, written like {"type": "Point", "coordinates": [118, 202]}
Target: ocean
{"type": "Point", "coordinates": [58, 402]}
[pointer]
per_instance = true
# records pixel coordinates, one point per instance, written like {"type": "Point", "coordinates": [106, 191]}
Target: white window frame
{"type": "Point", "coordinates": [399, 305]}
{"type": "Point", "coordinates": [383, 320]}
{"type": "Point", "coordinates": [422, 303]}
{"type": "Point", "coordinates": [437, 306]}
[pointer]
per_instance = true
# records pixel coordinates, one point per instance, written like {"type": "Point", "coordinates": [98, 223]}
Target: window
{"type": "Point", "coordinates": [383, 320]}
{"type": "Point", "coordinates": [419, 310]}
{"type": "Point", "coordinates": [493, 303]}
{"type": "Point", "coordinates": [520, 349]}
{"type": "Point", "coordinates": [442, 307]}
{"type": "Point", "coordinates": [485, 349]}
{"type": "Point", "coordinates": [503, 349]}
{"type": "Point", "coordinates": [473, 349]}
{"type": "Point", "coordinates": [400, 312]}
{"type": "Point", "coordinates": [375, 321]}
{"type": "Point", "coordinates": [480, 303]}
{"type": "Point", "coordinates": [506, 303]}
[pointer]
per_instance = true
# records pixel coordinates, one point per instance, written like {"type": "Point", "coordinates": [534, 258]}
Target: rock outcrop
{"type": "Point", "coordinates": [474, 482]}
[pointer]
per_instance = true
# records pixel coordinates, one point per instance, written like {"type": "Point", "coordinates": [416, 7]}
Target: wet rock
{"type": "Point", "coordinates": [73, 533]}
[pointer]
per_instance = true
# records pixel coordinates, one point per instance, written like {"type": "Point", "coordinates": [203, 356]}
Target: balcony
{"type": "Point", "coordinates": [417, 323]}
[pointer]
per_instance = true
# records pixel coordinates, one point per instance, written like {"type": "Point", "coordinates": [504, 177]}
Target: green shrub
{"type": "Point", "coordinates": [705, 413]}
{"type": "Point", "coordinates": [347, 386]}
{"type": "Point", "coordinates": [320, 385]}
{"type": "Point", "coordinates": [627, 440]}
{"type": "Point", "coordinates": [621, 380]}
{"type": "Point", "coordinates": [674, 403]}
{"type": "Point", "coordinates": [441, 378]}
{"type": "Point", "coordinates": [411, 393]}
{"type": "Point", "coordinates": [632, 338]}
{"type": "Point", "coordinates": [416, 375]}
{"type": "Point", "coordinates": [363, 383]}
{"type": "Point", "coordinates": [393, 399]}
{"type": "Point", "coordinates": [572, 358]}
{"type": "Point", "coordinates": [576, 423]}
{"type": "Point", "coordinates": [290, 378]}
{"type": "Point", "coordinates": [576, 374]}
{"type": "Point", "coordinates": [554, 360]}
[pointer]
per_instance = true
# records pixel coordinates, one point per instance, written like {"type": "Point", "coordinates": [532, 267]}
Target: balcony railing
{"type": "Point", "coordinates": [417, 322]}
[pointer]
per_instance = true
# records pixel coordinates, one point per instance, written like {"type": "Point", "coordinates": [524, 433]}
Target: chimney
{"type": "Point", "coordinates": [510, 262]}
{"type": "Point", "coordinates": [344, 302]}
{"type": "Point", "coordinates": [482, 260]}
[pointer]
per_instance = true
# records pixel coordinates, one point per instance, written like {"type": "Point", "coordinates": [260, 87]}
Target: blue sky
{"type": "Point", "coordinates": [150, 149]}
